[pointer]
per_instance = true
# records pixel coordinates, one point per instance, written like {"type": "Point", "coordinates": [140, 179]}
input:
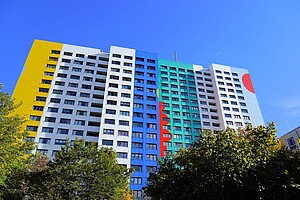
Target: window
{"type": "Point", "coordinates": [65, 121]}
{"type": "Point", "coordinates": [54, 100]}
{"type": "Point", "coordinates": [48, 73]}
{"type": "Point", "coordinates": [77, 132]}
{"type": "Point", "coordinates": [60, 142]}
{"type": "Point", "coordinates": [228, 115]}
{"type": "Point", "coordinates": [238, 124]}
{"type": "Point", "coordinates": [244, 111]}
{"type": "Point", "coordinates": [79, 122]}
{"type": "Point", "coordinates": [291, 141]}
{"type": "Point", "coordinates": [45, 140]}
{"type": "Point", "coordinates": [62, 131]}
{"type": "Point", "coordinates": [87, 95]}
{"type": "Point", "coordinates": [122, 144]}
{"type": "Point", "coordinates": [57, 91]}
{"type": "Point", "coordinates": [137, 168]}
{"type": "Point", "coordinates": [136, 156]}
{"type": "Point", "coordinates": [226, 108]}
{"type": "Point", "coordinates": [125, 95]}
{"type": "Point", "coordinates": [151, 125]}
{"type": "Point", "coordinates": [151, 157]}
{"type": "Point", "coordinates": [235, 109]}
{"type": "Point", "coordinates": [76, 69]}
{"type": "Point", "coordinates": [151, 107]}
{"type": "Point", "coordinates": [109, 121]}
{"type": "Point", "coordinates": [51, 66]}
{"type": "Point", "coordinates": [151, 98]}
{"type": "Point", "coordinates": [128, 87]}
{"type": "Point", "coordinates": [123, 123]}
{"type": "Point", "coordinates": [123, 133]}
{"type": "Point", "coordinates": [108, 131]}
{"type": "Point", "coordinates": [151, 146]}
{"type": "Point", "coordinates": [128, 65]}
{"type": "Point", "coordinates": [75, 77]}
{"type": "Point", "coordinates": [224, 102]}
{"type": "Point", "coordinates": [45, 90]}
{"type": "Point", "coordinates": [116, 55]}
{"type": "Point", "coordinates": [71, 93]}
{"type": "Point", "coordinates": [137, 124]}
{"type": "Point", "coordinates": [88, 87]}
{"type": "Point", "coordinates": [43, 99]}
{"type": "Point", "coordinates": [79, 55]}
{"type": "Point", "coordinates": [48, 82]}
{"type": "Point", "coordinates": [83, 103]}
{"type": "Point", "coordinates": [78, 62]}
{"type": "Point", "coordinates": [35, 118]}
{"type": "Point", "coordinates": [55, 59]}
{"type": "Point", "coordinates": [136, 181]}
{"type": "Point", "coordinates": [50, 119]}
{"type": "Point", "coordinates": [125, 104]}
{"type": "Point", "coordinates": [237, 117]}
{"type": "Point", "coordinates": [137, 105]}
{"type": "Point", "coordinates": [233, 103]}
{"type": "Point", "coordinates": [107, 142]}
{"type": "Point", "coordinates": [113, 85]}
{"type": "Point", "coordinates": [68, 53]}
{"type": "Point", "coordinates": [124, 113]}
{"type": "Point", "coordinates": [110, 102]}
{"type": "Point", "coordinates": [111, 112]}
{"type": "Point", "coordinates": [47, 130]}
{"type": "Point", "coordinates": [81, 112]}
{"type": "Point", "coordinates": [167, 144]}
{"type": "Point", "coordinates": [62, 75]}
{"type": "Point", "coordinates": [229, 122]}
{"type": "Point", "coordinates": [139, 59]}
{"type": "Point", "coordinates": [151, 135]}
{"type": "Point", "coordinates": [137, 134]}
{"type": "Point", "coordinates": [242, 104]}
{"type": "Point", "coordinates": [60, 83]}
{"type": "Point", "coordinates": [88, 71]}
{"type": "Point", "coordinates": [92, 57]}
{"type": "Point", "coordinates": [85, 78]}
{"type": "Point", "coordinates": [31, 128]}
{"type": "Point", "coordinates": [246, 117]}
{"type": "Point", "coordinates": [128, 57]}
{"type": "Point", "coordinates": [115, 62]}
{"type": "Point", "coordinates": [54, 110]}
{"type": "Point", "coordinates": [121, 155]}
{"type": "Point", "coordinates": [112, 93]}
{"type": "Point", "coordinates": [69, 102]}
{"type": "Point", "coordinates": [150, 61]}
{"type": "Point", "coordinates": [63, 68]}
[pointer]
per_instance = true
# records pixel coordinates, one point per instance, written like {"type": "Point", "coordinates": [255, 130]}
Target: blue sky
{"type": "Point", "coordinates": [262, 36]}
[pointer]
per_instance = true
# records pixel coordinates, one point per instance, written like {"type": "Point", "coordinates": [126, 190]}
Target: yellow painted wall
{"type": "Point", "coordinates": [29, 82]}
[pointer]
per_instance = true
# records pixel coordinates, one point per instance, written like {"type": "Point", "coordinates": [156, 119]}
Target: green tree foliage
{"type": "Point", "coordinates": [244, 164]}
{"type": "Point", "coordinates": [77, 172]}
{"type": "Point", "coordinates": [13, 140]}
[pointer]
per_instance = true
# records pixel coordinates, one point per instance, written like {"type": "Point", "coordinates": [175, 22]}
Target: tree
{"type": "Point", "coordinates": [243, 164]}
{"type": "Point", "coordinates": [80, 171]}
{"type": "Point", "coordinates": [13, 139]}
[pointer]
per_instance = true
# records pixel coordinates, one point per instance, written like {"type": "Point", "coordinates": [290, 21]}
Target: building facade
{"type": "Point", "coordinates": [291, 139]}
{"type": "Point", "coordinates": [141, 106]}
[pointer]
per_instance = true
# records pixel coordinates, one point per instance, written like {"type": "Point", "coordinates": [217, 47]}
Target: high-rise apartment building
{"type": "Point", "coordinates": [130, 100]}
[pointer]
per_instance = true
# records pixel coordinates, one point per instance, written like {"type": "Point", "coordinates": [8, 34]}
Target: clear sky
{"type": "Point", "coordinates": [260, 35]}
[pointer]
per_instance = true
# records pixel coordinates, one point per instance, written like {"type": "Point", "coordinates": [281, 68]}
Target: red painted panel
{"type": "Point", "coordinates": [248, 83]}
{"type": "Point", "coordinates": [162, 130]}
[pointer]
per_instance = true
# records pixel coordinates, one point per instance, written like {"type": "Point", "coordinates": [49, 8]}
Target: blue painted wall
{"type": "Point", "coordinates": [147, 90]}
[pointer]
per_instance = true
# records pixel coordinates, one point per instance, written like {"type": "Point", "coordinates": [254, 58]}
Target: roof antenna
{"type": "Point", "coordinates": [175, 56]}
